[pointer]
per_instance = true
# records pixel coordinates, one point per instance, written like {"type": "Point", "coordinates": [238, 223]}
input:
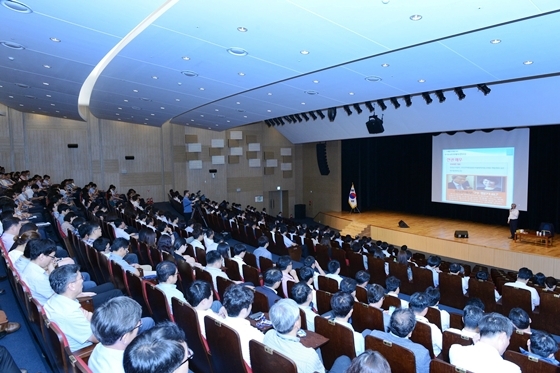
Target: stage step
{"type": "Point", "coordinates": [355, 229]}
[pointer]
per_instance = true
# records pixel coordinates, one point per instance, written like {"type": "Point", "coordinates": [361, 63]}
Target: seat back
{"type": "Point", "coordinates": [158, 304]}
{"type": "Point", "coordinates": [260, 302]}
{"type": "Point", "coordinates": [328, 284]}
{"type": "Point", "coordinates": [549, 309]}
{"type": "Point", "coordinates": [323, 301]}
{"type": "Point", "coordinates": [516, 297]}
{"type": "Point", "coordinates": [201, 256]}
{"type": "Point", "coordinates": [440, 366]}
{"type": "Point", "coordinates": [484, 290]}
{"type": "Point", "coordinates": [391, 301]}
{"type": "Point", "coordinates": [57, 341]}
{"type": "Point", "coordinates": [118, 276]}
{"type": "Point", "coordinates": [225, 347]}
{"type": "Point", "coordinates": [137, 292]}
{"type": "Point", "coordinates": [361, 294]}
{"type": "Point", "coordinates": [451, 290]}
{"type": "Point", "coordinates": [422, 278]}
{"type": "Point", "coordinates": [223, 284]}
{"type": "Point", "coordinates": [265, 360]}
{"type": "Point", "coordinates": [340, 255]}
{"type": "Point", "coordinates": [400, 271]}
{"type": "Point", "coordinates": [434, 316]}
{"type": "Point", "coordinates": [187, 274]}
{"type": "Point", "coordinates": [77, 362]}
{"type": "Point", "coordinates": [143, 253]}
{"type": "Point", "coordinates": [356, 263]}
{"type": "Point", "coordinates": [518, 339]}
{"type": "Point", "coordinates": [400, 359]}
{"type": "Point", "coordinates": [251, 274]}
{"type": "Point", "coordinates": [530, 364]}
{"type": "Point", "coordinates": [456, 320]}
{"type": "Point", "coordinates": [303, 319]}
{"type": "Point", "coordinates": [322, 255]}
{"type": "Point", "coordinates": [155, 256]}
{"type": "Point", "coordinates": [376, 269]}
{"type": "Point", "coordinates": [186, 318]}
{"type": "Point", "coordinates": [449, 339]}
{"type": "Point", "coordinates": [341, 341]}
{"type": "Point", "coordinates": [422, 334]}
{"type": "Point", "coordinates": [367, 317]}
{"type": "Point", "coordinates": [265, 264]}
{"type": "Point", "coordinates": [232, 270]}
{"type": "Point", "coordinates": [203, 275]}
{"type": "Point", "coordinates": [251, 259]}
{"type": "Point", "coordinates": [104, 268]}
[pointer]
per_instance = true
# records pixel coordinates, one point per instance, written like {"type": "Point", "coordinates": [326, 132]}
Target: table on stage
{"type": "Point", "coordinates": [529, 235]}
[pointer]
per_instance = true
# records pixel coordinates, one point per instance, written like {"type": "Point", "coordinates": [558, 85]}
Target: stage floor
{"type": "Point", "coordinates": [487, 244]}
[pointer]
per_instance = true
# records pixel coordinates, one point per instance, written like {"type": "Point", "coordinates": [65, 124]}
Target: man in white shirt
{"type": "Point", "coordinates": [485, 356]}
{"type": "Point", "coordinates": [214, 263]}
{"type": "Point", "coordinates": [167, 278]}
{"type": "Point", "coordinates": [393, 288]}
{"type": "Point", "coordinates": [201, 297]}
{"type": "Point", "coordinates": [419, 305]}
{"type": "Point", "coordinates": [11, 228]}
{"type": "Point", "coordinates": [198, 238]}
{"type": "Point", "coordinates": [302, 295]}
{"type": "Point", "coordinates": [433, 264]}
{"type": "Point", "coordinates": [342, 305]}
{"type": "Point", "coordinates": [471, 318]}
{"type": "Point", "coordinates": [457, 269]}
{"type": "Point", "coordinates": [334, 271]}
{"type": "Point", "coordinates": [512, 220]}
{"type": "Point", "coordinates": [523, 276]}
{"type": "Point", "coordinates": [239, 251]}
{"type": "Point", "coordinates": [434, 296]}
{"type": "Point", "coordinates": [115, 324]}
{"type": "Point", "coordinates": [238, 303]}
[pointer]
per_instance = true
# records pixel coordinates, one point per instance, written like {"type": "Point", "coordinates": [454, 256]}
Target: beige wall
{"type": "Point", "coordinates": [39, 143]}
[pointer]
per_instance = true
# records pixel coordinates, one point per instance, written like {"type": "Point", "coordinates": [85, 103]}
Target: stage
{"type": "Point", "coordinates": [487, 244]}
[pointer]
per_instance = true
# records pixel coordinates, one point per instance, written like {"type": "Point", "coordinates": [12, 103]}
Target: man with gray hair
{"type": "Point", "coordinates": [286, 321]}
{"type": "Point", "coordinates": [486, 355]}
{"type": "Point", "coordinates": [115, 324]}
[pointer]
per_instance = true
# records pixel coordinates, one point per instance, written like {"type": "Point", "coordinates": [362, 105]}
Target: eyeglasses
{"type": "Point", "coordinates": [52, 256]}
{"type": "Point", "coordinates": [190, 357]}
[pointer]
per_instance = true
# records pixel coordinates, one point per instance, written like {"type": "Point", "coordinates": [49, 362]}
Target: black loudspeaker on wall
{"type": "Point", "coordinates": [402, 224]}
{"type": "Point", "coordinates": [461, 234]}
{"type": "Point", "coordinates": [322, 158]}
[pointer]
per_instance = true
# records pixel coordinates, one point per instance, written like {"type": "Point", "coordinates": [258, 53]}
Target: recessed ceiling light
{"type": "Point", "coordinates": [145, 99]}
{"type": "Point", "coordinates": [216, 125]}
{"type": "Point", "coordinates": [11, 58]}
{"type": "Point", "coordinates": [31, 97]}
{"type": "Point", "coordinates": [162, 107]}
{"type": "Point", "coordinates": [351, 93]}
{"type": "Point", "coordinates": [238, 103]}
{"type": "Point", "coordinates": [12, 45]}
{"type": "Point", "coordinates": [528, 62]}
{"type": "Point", "coordinates": [421, 80]}
{"type": "Point", "coordinates": [312, 93]}
{"type": "Point", "coordinates": [228, 121]}
{"type": "Point", "coordinates": [179, 83]}
{"type": "Point", "coordinates": [238, 52]}
{"type": "Point", "coordinates": [152, 114]}
{"type": "Point", "coordinates": [48, 95]}
{"type": "Point", "coordinates": [269, 111]}
{"type": "Point", "coordinates": [20, 104]}
{"type": "Point", "coordinates": [56, 40]}
{"type": "Point", "coordinates": [415, 17]}
{"type": "Point", "coordinates": [304, 52]}
{"type": "Point", "coordinates": [385, 65]}
{"type": "Point", "coordinates": [241, 74]}
{"type": "Point", "coordinates": [11, 96]}
{"type": "Point", "coordinates": [269, 93]}
{"type": "Point", "coordinates": [188, 73]}
{"type": "Point", "coordinates": [495, 41]}
{"type": "Point", "coordinates": [57, 111]}
{"type": "Point", "coordinates": [242, 29]}
{"type": "Point", "coordinates": [154, 77]}
{"type": "Point", "coordinates": [202, 115]}
{"type": "Point", "coordinates": [117, 114]}
{"type": "Point", "coordinates": [216, 109]}
{"type": "Point", "coordinates": [16, 6]}
{"type": "Point", "coordinates": [303, 103]}
{"type": "Point", "coordinates": [21, 85]}
{"type": "Point", "coordinates": [118, 118]}
{"type": "Point", "coordinates": [53, 105]}
{"type": "Point", "coordinates": [135, 90]}
{"type": "Point", "coordinates": [373, 78]}
{"type": "Point", "coordinates": [202, 89]}
{"type": "Point", "coordinates": [125, 100]}
{"type": "Point", "coordinates": [240, 110]}
{"type": "Point", "coordinates": [315, 81]}
{"type": "Point", "coordinates": [137, 108]}
{"type": "Point", "coordinates": [46, 66]}
{"type": "Point", "coordinates": [45, 83]}
{"type": "Point", "coordinates": [186, 58]}
{"type": "Point", "coordinates": [177, 99]}
{"type": "Point", "coordinates": [192, 120]}
{"type": "Point", "coordinates": [120, 108]}
{"type": "Point", "coordinates": [244, 116]}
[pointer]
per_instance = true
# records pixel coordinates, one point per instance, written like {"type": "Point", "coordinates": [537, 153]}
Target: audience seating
{"type": "Point", "coordinates": [251, 274]}
{"type": "Point", "coordinates": [322, 256]}
{"type": "Point", "coordinates": [118, 276]}
{"type": "Point", "coordinates": [549, 309]}
{"type": "Point", "coordinates": [515, 297]}
{"type": "Point", "coordinates": [400, 359]}
{"type": "Point", "coordinates": [303, 319]}
{"type": "Point", "coordinates": [518, 339]}
{"type": "Point", "coordinates": [391, 301]}
{"type": "Point", "coordinates": [136, 290]}
{"type": "Point", "coordinates": [356, 264]}
{"type": "Point", "coordinates": [260, 302]}
{"type": "Point", "coordinates": [323, 301]}
{"type": "Point", "coordinates": [223, 284]}
{"type": "Point", "coordinates": [367, 317]}
{"type": "Point", "coordinates": [155, 257]}
{"type": "Point", "coordinates": [265, 264]}
{"type": "Point", "coordinates": [232, 270]}
{"type": "Point", "coordinates": [265, 360]}
{"type": "Point", "coordinates": [434, 316]}
{"type": "Point", "coordinates": [451, 290]}
{"type": "Point", "coordinates": [158, 303]}
{"type": "Point", "coordinates": [250, 259]}
{"type": "Point", "coordinates": [201, 256]}
{"type": "Point", "coordinates": [186, 273]}
{"type": "Point", "coordinates": [529, 364]}
{"type": "Point", "coordinates": [341, 341]}
{"type": "Point", "coordinates": [484, 290]}
{"type": "Point", "coordinates": [361, 294]}
{"type": "Point", "coordinates": [456, 321]}
{"type": "Point", "coordinates": [449, 339]}
{"type": "Point", "coordinates": [340, 255]}
{"type": "Point", "coordinates": [440, 366]}
{"type": "Point", "coordinates": [422, 334]}
{"type": "Point", "coordinates": [376, 269]}
{"type": "Point", "coordinates": [422, 278]}
{"type": "Point", "coordinates": [225, 347]}
{"type": "Point", "coordinates": [327, 284]}
{"type": "Point", "coordinates": [78, 364]}
{"type": "Point", "coordinates": [400, 271]}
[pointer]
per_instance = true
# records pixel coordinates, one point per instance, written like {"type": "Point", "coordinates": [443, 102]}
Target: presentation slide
{"type": "Point", "coordinates": [492, 173]}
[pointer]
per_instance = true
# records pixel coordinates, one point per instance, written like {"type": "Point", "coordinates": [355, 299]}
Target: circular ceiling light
{"type": "Point", "coordinates": [242, 29]}
{"type": "Point", "coordinates": [46, 66]}
{"type": "Point", "coordinates": [189, 73]}
{"type": "Point", "coordinates": [373, 78]}
{"type": "Point", "coordinates": [415, 17]}
{"type": "Point", "coordinates": [241, 74]}
{"type": "Point", "coordinates": [31, 97]}
{"type": "Point", "coordinates": [21, 85]}
{"type": "Point", "coordinates": [45, 83]}
{"type": "Point", "coordinates": [16, 6]}
{"type": "Point", "coordinates": [177, 99]}
{"type": "Point", "coordinates": [135, 90]}
{"type": "Point", "coordinates": [495, 41]}
{"type": "Point", "coordinates": [145, 99]}
{"type": "Point", "coordinates": [238, 52]}
{"type": "Point", "coordinates": [421, 80]}
{"type": "Point", "coordinates": [12, 45]}
{"type": "Point", "coordinates": [186, 58]}
{"type": "Point", "coordinates": [269, 93]}
{"type": "Point", "coordinates": [136, 108]}
{"type": "Point", "coordinates": [304, 52]}
{"type": "Point", "coordinates": [528, 62]}
{"type": "Point", "coordinates": [201, 88]}
{"type": "Point", "coordinates": [303, 103]}
{"type": "Point", "coordinates": [48, 95]}
{"type": "Point", "coordinates": [351, 93]}
{"type": "Point", "coordinates": [155, 77]}
{"type": "Point", "coordinates": [162, 107]}
{"type": "Point", "coordinates": [316, 81]}
{"type": "Point", "coordinates": [56, 40]}
{"type": "Point", "coordinates": [269, 111]}
{"type": "Point", "coordinates": [385, 65]}
{"type": "Point", "coordinates": [312, 93]}
{"type": "Point", "coordinates": [216, 109]}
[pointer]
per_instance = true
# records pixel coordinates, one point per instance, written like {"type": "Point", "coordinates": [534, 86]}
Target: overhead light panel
{"type": "Point", "coordinates": [395, 102]}
{"type": "Point", "coordinates": [440, 96]}
{"type": "Point", "coordinates": [459, 92]}
{"type": "Point", "coordinates": [347, 110]}
{"type": "Point", "coordinates": [427, 98]}
{"type": "Point", "coordinates": [484, 89]}
{"type": "Point", "coordinates": [381, 104]}
{"type": "Point", "coordinates": [407, 100]}
{"type": "Point", "coordinates": [357, 108]}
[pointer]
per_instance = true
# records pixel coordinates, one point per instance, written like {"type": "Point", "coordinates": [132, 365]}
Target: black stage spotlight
{"type": "Point", "coordinates": [357, 108]}
{"type": "Point", "coordinates": [305, 117]}
{"type": "Point", "coordinates": [395, 102]}
{"type": "Point", "coordinates": [440, 96]}
{"type": "Point", "coordinates": [288, 119]}
{"type": "Point", "coordinates": [375, 125]}
{"type": "Point", "coordinates": [459, 92]}
{"type": "Point", "coordinates": [320, 114]}
{"type": "Point", "coordinates": [347, 110]}
{"type": "Point", "coordinates": [407, 100]}
{"type": "Point", "coordinates": [332, 114]}
{"type": "Point", "coordinates": [427, 98]}
{"type": "Point", "coordinates": [484, 88]}
{"type": "Point", "coordinates": [281, 120]}
{"type": "Point", "coordinates": [312, 114]}
{"type": "Point", "coordinates": [268, 122]}
{"type": "Point", "coordinates": [369, 106]}
{"type": "Point", "coordinates": [276, 121]}
{"type": "Point", "coordinates": [298, 118]}
{"type": "Point", "coordinates": [381, 104]}
{"type": "Point", "coordinates": [293, 118]}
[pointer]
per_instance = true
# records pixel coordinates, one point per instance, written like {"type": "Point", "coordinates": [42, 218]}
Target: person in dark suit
{"type": "Point", "coordinates": [459, 182]}
{"type": "Point", "coordinates": [272, 280]}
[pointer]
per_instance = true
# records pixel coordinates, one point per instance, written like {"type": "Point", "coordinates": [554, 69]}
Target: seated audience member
{"type": "Point", "coordinates": [238, 302]}
{"type": "Point", "coordinates": [348, 285]}
{"type": "Point", "coordinates": [523, 276]}
{"type": "Point", "coordinates": [376, 296]}
{"type": "Point", "coordinates": [485, 356]}
{"type": "Point", "coordinates": [102, 245]}
{"type": "Point", "coordinates": [19, 244]}
{"type": "Point", "coordinates": [262, 250]}
{"type": "Point", "coordinates": [64, 309]}
{"type": "Point", "coordinates": [284, 264]}
{"type": "Point", "coordinates": [272, 281]}
{"type": "Point", "coordinates": [115, 324]}
{"type": "Point", "coordinates": [369, 362]}
{"type": "Point", "coordinates": [214, 264]}
{"type": "Point", "coordinates": [433, 264]}
{"type": "Point", "coordinates": [362, 278]}
{"type": "Point", "coordinates": [434, 296]}
{"type": "Point", "coordinates": [167, 279]}
{"type": "Point", "coordinates": [162, 349]}
{"type": "Point", "coordinates": [393, 289]}
{"type": "Point", "coordinates": [334, 271]}
{"type": "Point", "coordinates": [239, 251]}
{"type": "Point", "coordinates": [309, 277]}
{"type": "Point", "coordinates": [483, 276]}
{"type": "Point", "coordinates": [198, 238]}
{"type": "Point", "coordinates": [471, 317]}
{"type": "Point", "coordinates": [458, 270]}
{"type": "Point", "coordinates": [520, 319]}
{"type": "Point", "coordinates": [224, 249]}
{"type": "Point", "coordinates": [542, 346]}
{"type": "Point", "coordinates": [213, 243]}
{"type": "Point", "coordinates": [283, 338]}
{"type": "Point", "coordinates": [474, 301]}
{"type": "Point", "coordinates": [550, 284]}
{"type": "Point", "coordinates": [342, 305]}
{"type": "Point", "coordinates": [302, 295]}
{"type": "Point", "coordinates": [538, 279]}
{"type": "Point", "coordinates": [11, 227]}
{"type": "Point", "coordinates": [311, 263]}
{"type": "Point", "coordinates": [400, 328]}
{"type": "Point", "coordinates": [201, 297]}
{"type": "Point", "coordinates": [119, 249]}
{"type": "Point", "coordinates": [419, 303]}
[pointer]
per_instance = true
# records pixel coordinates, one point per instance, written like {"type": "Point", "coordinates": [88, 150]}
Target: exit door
{"type": "Point", "coordinates": [278, 201]}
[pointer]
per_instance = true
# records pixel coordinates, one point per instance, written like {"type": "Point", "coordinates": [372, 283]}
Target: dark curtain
{"type": "Point", "coordinates": [395, 174]}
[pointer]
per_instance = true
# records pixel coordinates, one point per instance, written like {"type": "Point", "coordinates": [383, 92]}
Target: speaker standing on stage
{"type": "Point", "coordinates": [512, 219]}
